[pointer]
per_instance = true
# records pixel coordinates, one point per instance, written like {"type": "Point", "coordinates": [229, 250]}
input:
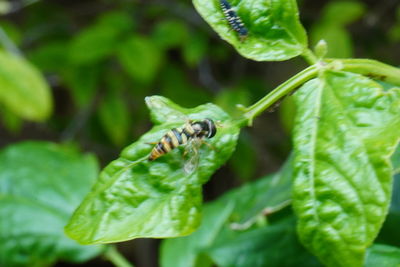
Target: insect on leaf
{"type": "Point", "coordinates": [135, 197]}
{"type": "Point", "coordinates": [273, 28]}
{"type": "Point", "coordinates": [346, 130]}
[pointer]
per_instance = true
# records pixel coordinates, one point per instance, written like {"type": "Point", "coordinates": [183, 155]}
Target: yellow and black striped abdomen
{"type": "Point", "coordinates": [171, 140]}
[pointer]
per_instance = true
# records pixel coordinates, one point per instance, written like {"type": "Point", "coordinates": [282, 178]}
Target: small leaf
{"type": "Point", "coordinates": [140, 58]}
{"type": "Point", "coordinates": [177, 85]}
{"type": "Point", "coordinates": [40, 185]}
{"type": "Point", "coordinates": [331, 27]}
{"type": "Point", "coordinates": [114, 117]}
{"type": "Point", "coordinates": [337, 38]}
{"type": "Point", "coordinates": [99, 40]}
{"type": "Point", "coordinates": [342, 12]}
{"type": "Point", "coordinates": [23, 89]}
{"type": "Point", "coordinates": [137, 198]}
{"type": "Point", "coordinates": [382, 256]}
{"type": "Point", "coordinates": [83, 82]}
{"type": "Point", "coordinates": [170, 33]}
{"type": "Point", "coordinates": [194, 49]}
{"type": "Point", "coordinates": [244, 160]}
{"type": "Point", "coordinates": [50, 57]}
{"type": "Point", "coordinates": [275, 32]}
{"type": "Point", "coordinates": [239, 208]}
{"type": "Point", "coordinates": [346, 129]}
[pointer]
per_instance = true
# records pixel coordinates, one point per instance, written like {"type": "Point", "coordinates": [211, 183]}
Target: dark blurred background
{"type": "Point", "coordinates": [102, 57]}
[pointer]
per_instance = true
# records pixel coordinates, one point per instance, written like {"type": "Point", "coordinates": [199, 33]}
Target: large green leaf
{"type": "Point", "coordinates": [346, 130]}
{"type": "Point", "coordinates": [383, 256]}
{"type": "Point", "coordinates": [233, 214]}
{"type": "Point", "coordinates": [138, 198]}
{"type": "Point", "coordinates": [23, 89]}
{"type": "Point", "coordinates": [269, 245]}
{"type": "Point", "coordinates": [186, 251]}
{"type": "Point", "coordinates": [40, 186]}
{"type": "Point", "coordinates": [275, 32]}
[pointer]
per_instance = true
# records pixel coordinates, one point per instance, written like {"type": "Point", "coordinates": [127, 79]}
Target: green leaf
{"type": "Point", "coordinates": [177, 85]}
{"type": "Point", "coordinates": [383, 256]}
{"type": "Point", "coordinates": [194, 49]}
{"type": "Point", "coordinates": [346, 130]}
{"type": "Point", "coordinates": [51, 56]}
{"type": "Point", "coordinates": [389, 233]}
{"type": "Point", "coordinates": [170, 33]}
{"type": "Point", "coordinates": [40, 186]}
{"type": "Point", "coordinates": [11, 121]}
{"type": "Point", "coordinates": [228, 99]}
{"type": "Point", "coordinates": [83, 82]}
{"type": "Point", "coordinates": [331, 27]}
{"type": "Point", "coordinates": [184, 251]}
{"type": "Point", "coordinates": [137, 198]}
{"type": "Point", "coordinates": [275, 32]}
{"type": "Point", "coordinates": [114, 117]}
{"type": "Point", "coordinates": [244, 160]}
{"type": "Point", "coordinates": [338, 39]}
{"type": "Point", "coordinates": [270, 245]}
{"type": "Point", "coordinates": [341, 13]}
{"type": "Point", "coordinates": [238, 209]}
{"type": "Point", "coordinates": [12, 32]}
{"type": "Point", "coordinates": [140, 58]}
{"type": "Point", "coordinates": [99, 40]}
{"type": "Point", "coordinates": [23, 89]}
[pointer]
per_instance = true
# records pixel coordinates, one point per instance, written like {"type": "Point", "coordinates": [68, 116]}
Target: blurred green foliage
{"type": "Point", "coordinates": [40, 185]}
{"type": "Point", "coordinates": [101, 58]}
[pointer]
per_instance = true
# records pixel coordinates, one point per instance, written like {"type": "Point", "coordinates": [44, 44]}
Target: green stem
{"type": "Point", "coordinates": [116, 258]}
{"type": "Point", "coordinates": [371, 68]}
{"type": "Point", "coordinates": [277, 94]}
{"type": "Point", "coordinates": [8, 43]}
{"type": "Point", "coordinates": [309, 56]}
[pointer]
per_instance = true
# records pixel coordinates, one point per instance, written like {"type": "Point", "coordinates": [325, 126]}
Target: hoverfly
{"type": "Point", "coordinates": [192, 135]}
{"type": "Point", "coordinates": [234, 20]}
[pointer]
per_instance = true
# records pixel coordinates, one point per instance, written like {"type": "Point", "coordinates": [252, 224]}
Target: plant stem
{"type": "Point", "coordinates": [116, 258]}
{"type": "Point", "coordinates": [371, 68]}
{"type": "Point", "coordinates": [309, 56]}
{"type": "Point", "coordinates": [277, 94]}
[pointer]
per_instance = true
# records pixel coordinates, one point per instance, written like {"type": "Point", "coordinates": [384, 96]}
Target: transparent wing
{"type": "Point", "coordinates": [192, 155]}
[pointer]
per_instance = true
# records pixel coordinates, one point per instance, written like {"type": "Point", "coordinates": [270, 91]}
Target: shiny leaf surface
{"type": "Point", "coordinates": [232, 216]}
{"type": "Point", "coordinates": [137, 198]}
{"type": "Point", "coordinates": [383, 256]}
{"type": "Point", "coordinates": [346, 130]}
{"type": "Point", "coordinates": [274, 29]}
{"type": "Point", "coordinates": [270, 245]}
{"type": "Point", "coordinates": [40, 186]}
